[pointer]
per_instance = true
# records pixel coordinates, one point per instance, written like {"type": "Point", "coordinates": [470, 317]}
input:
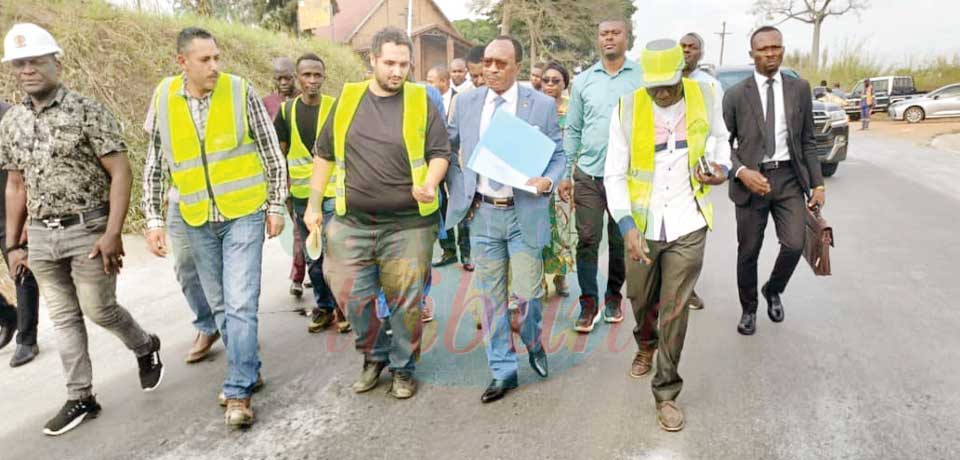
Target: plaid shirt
{"type": "Point", "coordinates": [261, 129]}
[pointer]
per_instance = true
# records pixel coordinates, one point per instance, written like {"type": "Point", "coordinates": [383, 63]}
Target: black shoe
{"type": "Point", "coordinates": [74, 412]}
{"type": "Point", "coordinates": [151, 369]}
{"type": "Point", "coordinates": [24, 354]}
{"type": "Point", "coordinates": [774, 306]}
{"type": "Point", "coordinates": [498, 389]}
{"type": "Point", "coordinates": [6, 332]}
{"type": "Point", "coordinates": [538, 361]}
{"type": "Point", "coordinates": [748, 324]}
{"type": "Point", "coordinates": [447, 259]}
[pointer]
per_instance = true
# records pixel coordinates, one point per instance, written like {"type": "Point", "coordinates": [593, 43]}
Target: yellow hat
{"type": "Point", "coordinates": [662, 62]}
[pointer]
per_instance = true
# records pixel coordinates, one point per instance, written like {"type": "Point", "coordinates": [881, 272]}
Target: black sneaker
{"type": "Point", "coordinates": [74, 412]}
{"type": "Point", "coordinates": [151, 369]}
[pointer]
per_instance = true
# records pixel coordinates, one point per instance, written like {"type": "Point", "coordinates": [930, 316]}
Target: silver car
{"type": "Point", "coordinates": [942, 103]}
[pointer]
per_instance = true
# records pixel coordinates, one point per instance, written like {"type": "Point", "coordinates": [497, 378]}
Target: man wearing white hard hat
{"type": "Point", "coordinates": [667, 147]}
{"type": "Point", "coordinates": [69, 181]}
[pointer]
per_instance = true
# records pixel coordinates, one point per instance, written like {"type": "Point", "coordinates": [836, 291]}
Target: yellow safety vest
{"type": "Point", "coordinates": [637, 119]}
{"type": "Point", "coordinates": [414, 137]}
{"type": "Point", "coordinates": [225, 170]}
{"type": "Point", "coordinates": [299, 159]}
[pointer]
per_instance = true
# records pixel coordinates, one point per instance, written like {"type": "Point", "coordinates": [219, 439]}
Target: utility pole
{"type": "Point", "coordinates": [723, 39]}
{"type": "Point", "coordinates": [410, 18]}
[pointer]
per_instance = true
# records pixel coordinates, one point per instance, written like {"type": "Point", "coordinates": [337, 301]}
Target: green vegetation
{"type": "Point", "coordinates": [856, 63]}
{"type": "Point", "coordinates": [119, 56]}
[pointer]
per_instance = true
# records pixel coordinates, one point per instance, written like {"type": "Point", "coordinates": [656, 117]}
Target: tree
{"type": "Point", "coordinates": [230, 10]}
{"type": "Point", "coordinates": [809, 11]}
{"type": "Point", "coordinates": [478, 31]}
{"type": "Point", "coordinates": [561, 30]}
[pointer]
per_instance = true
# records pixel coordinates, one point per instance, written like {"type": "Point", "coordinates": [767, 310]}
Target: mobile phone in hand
{"type": "Point", "coordinates": [704, 166]}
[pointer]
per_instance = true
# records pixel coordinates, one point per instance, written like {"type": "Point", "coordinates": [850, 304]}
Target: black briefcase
{"type": "Point", "coordinates": [819, 239]}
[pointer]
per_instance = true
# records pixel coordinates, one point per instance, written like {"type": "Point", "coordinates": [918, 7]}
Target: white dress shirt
{"type": "Point", "coordinates": [673, 210]}
{"type": "Point", "coordinates": [510, 106]}
{"type": "Point", "coordinates": [467, 85]}
{"type": "Point", "coordinates": [782, 151]}
{"type": "Point", "coordinates": [447, 98]}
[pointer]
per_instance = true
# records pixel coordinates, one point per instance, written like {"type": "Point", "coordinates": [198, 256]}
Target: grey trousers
{"type": "Point", "coordinates": [75, 286]}
{"type": "Point", "coordinates": [659, 294]}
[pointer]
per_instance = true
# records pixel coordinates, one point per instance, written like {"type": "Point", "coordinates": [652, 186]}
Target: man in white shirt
{"type": "Point", "coordinates": [657, 190]}
{"type": "Point", "coordinates": [439, 78]}
{"type": "Point", "coordinates": [459, 76]}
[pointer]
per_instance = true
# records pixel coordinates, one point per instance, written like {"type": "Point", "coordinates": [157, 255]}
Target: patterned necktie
{"type": "Point", "coordinates": [771, 127]}
{"type": "Point", "coordinates": [497, 103]}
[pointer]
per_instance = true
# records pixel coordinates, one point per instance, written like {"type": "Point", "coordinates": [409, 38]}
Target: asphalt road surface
{"type": "Point", "coordinates": [864, 367]}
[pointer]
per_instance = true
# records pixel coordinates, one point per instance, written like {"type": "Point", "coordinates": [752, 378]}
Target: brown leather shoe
{"type": "Point", "coordinates": [343, 326]}
{"type": "Point", "coordinates": [239, 413]}
{"type": "Point", "coordinates": [695, 302]}
{"type": "Point", "coordinates": [404, 386]}
{"type": "Point", "coordinates": [588, 315]}
{"type": "Point", "coordinates": [642, 363]}
{"type": "Point", "coordinates": [669, 416]}
{"type": "Point", "coordinates": [201, 346]}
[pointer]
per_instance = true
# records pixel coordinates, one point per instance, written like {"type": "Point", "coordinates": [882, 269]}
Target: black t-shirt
{"type": "Point", "coordinates": [306, 123]}
{"type": "Point", "coordinates": [378, 178]}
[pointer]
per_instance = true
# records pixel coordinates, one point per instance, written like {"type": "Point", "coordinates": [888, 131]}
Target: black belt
{"type": "Point", "coordinates": [496, 202]}
{"type": "Point", "coordinates": [771, 165]}
{"type": "Point", "coordinates": [595, 178]}
{"type": "Point", "coordinates": [70, 220]}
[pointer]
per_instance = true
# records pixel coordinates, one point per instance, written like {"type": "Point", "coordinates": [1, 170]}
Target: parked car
{"type": "Point", "coordinates": [831, 124]}
{"type": "Point", "coordinates": [886, 90]}
{"type": "Point", "coordinates": [942, 103]}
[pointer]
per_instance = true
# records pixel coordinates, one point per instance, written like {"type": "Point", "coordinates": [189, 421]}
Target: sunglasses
{"type": "Point", "coordinates": [501, 64]}
{"type": "Point", "coordinates": [551, 81]}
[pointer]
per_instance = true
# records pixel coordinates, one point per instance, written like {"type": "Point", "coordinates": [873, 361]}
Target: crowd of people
{"type": "Point", "coordinates": [374, 176]}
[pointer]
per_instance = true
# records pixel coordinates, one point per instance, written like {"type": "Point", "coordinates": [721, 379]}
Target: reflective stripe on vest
{"type": "Point", "coordinates": [637, 120]}
{"type": "Point", "coordinates": [223, 170]}
{"type": "Point", "coordinates": [299, 159]}
{"type": "Point", "coordinates": [414, 137]}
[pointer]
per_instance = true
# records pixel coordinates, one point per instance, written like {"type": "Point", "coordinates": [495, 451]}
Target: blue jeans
{"type": "Point", "coordinates": [321, 291]}
{"type": "Point", "coordinates": [497, 244]}
{"type": "Point", "coordinates": [233, 293]}
{"type": "Point", "coordinates": [361, 263]}
{"type": "Point", "coordinates": [186, 272]}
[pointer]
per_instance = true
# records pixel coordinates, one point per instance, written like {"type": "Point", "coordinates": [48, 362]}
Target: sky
{"type": "Point", "coordinates": [891, 31]}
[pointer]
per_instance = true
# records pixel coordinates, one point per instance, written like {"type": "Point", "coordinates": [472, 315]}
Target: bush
{"type": "Point", "coordinates": [118, 57]}
{"type": "Point", "coordinates": [855, 63]}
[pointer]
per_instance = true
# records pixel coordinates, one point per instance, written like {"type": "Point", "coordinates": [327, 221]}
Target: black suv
{"type": "Point", "coordinates": [831, 124]}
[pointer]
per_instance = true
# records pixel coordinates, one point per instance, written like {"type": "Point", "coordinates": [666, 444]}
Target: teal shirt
{"type": "Point", "coordinates": [594, 95]}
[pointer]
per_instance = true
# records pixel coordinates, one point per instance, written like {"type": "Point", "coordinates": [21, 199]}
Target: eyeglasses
{"type": "Point", "coordinates": [501, 64]}
{"type": "Point", "coordinates": [551, 81]}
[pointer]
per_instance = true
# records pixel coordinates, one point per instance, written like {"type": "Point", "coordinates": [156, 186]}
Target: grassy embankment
{"type": "Point", "coordinates": [118, 56]}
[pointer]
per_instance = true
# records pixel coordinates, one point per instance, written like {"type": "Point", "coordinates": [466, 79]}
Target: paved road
{"type": "Point", "coordinates": [864, 367]}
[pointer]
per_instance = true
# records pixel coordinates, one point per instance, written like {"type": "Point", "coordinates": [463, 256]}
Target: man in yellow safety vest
{"type": "Point", "coordinates": [668, 145]}
{"type": "Point", "coordinates": [213, 133]}
{"type": "Point", "coordinates": [298, 125]}
{"type": "Point", "coordinates": [387, 145]}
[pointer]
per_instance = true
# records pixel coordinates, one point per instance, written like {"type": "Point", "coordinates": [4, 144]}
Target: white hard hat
{"type": "Point", "coordinates": [28, 40]}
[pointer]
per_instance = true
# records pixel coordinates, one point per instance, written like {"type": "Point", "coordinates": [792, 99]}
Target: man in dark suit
{"type": "Point", "coordinates": [770, 116]}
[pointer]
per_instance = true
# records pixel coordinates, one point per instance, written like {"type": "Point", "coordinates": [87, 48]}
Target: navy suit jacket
{"type": "Point", "coordinates": [533, 210]}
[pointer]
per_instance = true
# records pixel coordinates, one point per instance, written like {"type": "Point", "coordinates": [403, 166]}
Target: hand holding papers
{"type": "Point", "coordinates": [511, 152]}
